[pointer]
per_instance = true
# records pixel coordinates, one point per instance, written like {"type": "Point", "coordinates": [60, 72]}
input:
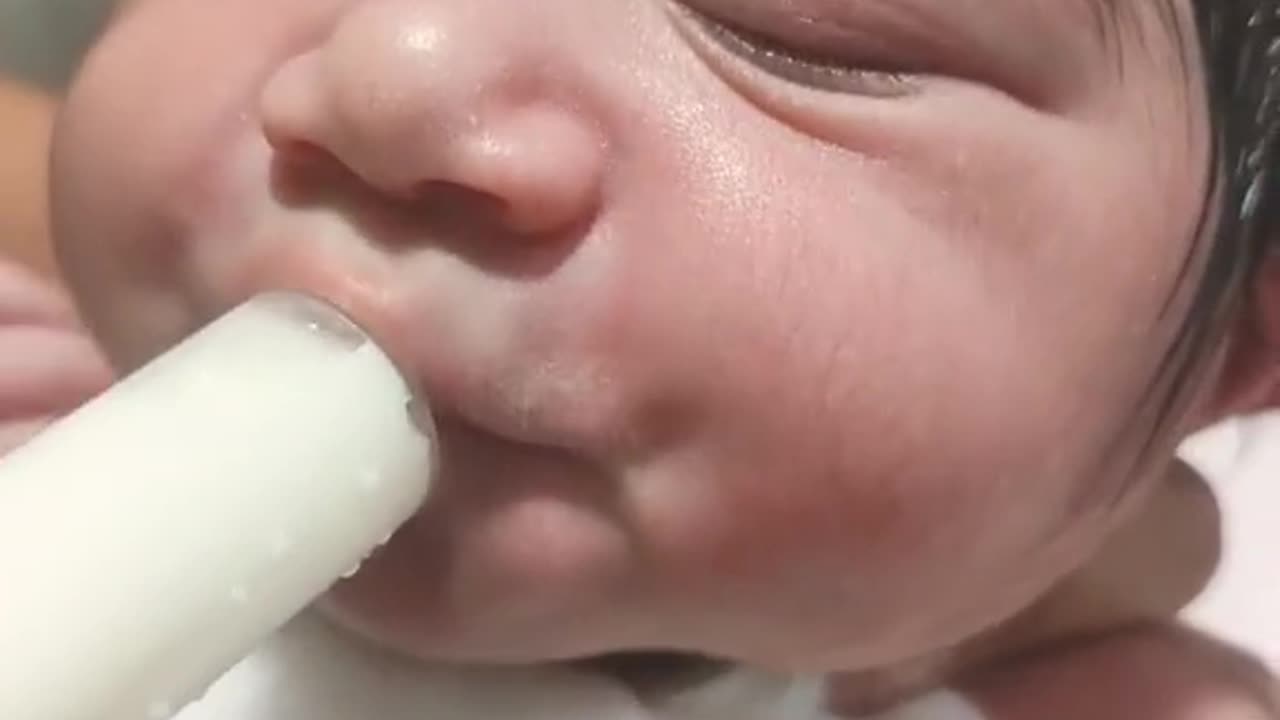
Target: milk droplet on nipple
{"type": "Point", "coordinates": [282, 543]}
{"type": "Point", "coordinates": [369, 480]}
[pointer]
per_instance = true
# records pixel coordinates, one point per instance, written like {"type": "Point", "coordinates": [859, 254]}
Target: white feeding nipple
{"type": "Point", "coordinates": [153, 538]}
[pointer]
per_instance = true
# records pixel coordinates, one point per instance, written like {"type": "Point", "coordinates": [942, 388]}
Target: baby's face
{"type": "Point", "coordinates": [819, 352]}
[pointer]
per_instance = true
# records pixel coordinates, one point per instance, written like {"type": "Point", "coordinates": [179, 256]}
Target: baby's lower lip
{"type": "Point", "coordinates": [436, 591]}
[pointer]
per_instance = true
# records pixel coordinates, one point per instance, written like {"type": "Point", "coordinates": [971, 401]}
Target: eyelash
{"type": "Point", "coordinates": [795, 65]}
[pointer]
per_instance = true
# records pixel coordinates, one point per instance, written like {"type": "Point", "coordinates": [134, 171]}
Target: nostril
{"type": "Point", "coordinates": [303, 154]}
{"type": "Point", "coordinates": [445, 198]}
{"type": "Point", "coordinates": [303, 171]}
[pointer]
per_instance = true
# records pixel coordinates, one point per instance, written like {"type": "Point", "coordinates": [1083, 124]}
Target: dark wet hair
{"type": "Point", "coordinates": [1239, 46]}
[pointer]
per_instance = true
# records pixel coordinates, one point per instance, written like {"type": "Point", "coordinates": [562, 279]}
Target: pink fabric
{"type": "Point", "coordinates": [48, 364]}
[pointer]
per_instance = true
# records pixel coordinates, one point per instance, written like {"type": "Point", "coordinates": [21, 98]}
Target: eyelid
{"type": "Point", "coordinates": [1033, 56]}
{"type": "Point", "coordinates": [812, 67]}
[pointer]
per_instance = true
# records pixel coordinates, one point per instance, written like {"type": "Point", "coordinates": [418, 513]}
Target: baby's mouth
{"type": "Point", "coordinates": [515, 431]}
{"type": "Point", "coordinates": [654, 675]}
{"type": "Point", "coordinates": [485, 370]}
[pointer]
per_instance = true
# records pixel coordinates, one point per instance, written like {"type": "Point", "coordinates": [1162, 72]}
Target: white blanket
{"type": "Point", "coordinates": [1242, 459]}
{"type": "Point", "coordinates": [309, 672]}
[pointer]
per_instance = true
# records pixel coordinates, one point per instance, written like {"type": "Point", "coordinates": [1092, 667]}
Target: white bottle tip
{"type": "Point", "coordinates": [155, 536]}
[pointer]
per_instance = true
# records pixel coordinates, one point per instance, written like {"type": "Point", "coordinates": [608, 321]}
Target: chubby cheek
{"type": "Point", "coordinates": [881, 368]}
{"type": "Point", "coordinates": [839, 473]}
{"type": "Point", "coordinates": [165, 88]}
{"type": "Point", "coordinates": [834, 462]}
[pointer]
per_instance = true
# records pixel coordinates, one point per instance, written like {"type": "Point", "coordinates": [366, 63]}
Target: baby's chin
{"type": "Point", "coordinates": [649, 673]}
{"type": "Point", "coordinates": [525, 579]}
{"type": "Point", "coordinates": [655, 674]}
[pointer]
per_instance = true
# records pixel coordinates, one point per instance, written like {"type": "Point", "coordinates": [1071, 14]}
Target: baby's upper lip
{"type": "Point", "coordinates": [440, 389]}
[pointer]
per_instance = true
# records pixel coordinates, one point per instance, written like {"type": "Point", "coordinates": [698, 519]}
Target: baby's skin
{"type": "Point", "coordinates": [815, 335]}
{"type": "Point", "coordinates": [48, 364]}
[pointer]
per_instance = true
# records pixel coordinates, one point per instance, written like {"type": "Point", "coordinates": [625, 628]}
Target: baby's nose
{"type": "Point", "coordinates": [465, 95]}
